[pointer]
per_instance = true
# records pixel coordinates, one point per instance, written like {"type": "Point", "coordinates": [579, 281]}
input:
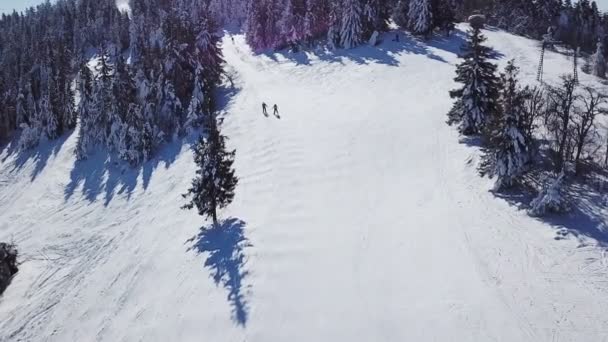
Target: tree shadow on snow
{"type": "Point", "coordinates": [104, 173]}
{"type": "Point", "coordinates": [386, 52]}
{"type": "Point", "coordinates": [224, 248]}
{"type": "Point", "coordinates": [588, 205]}
{"type": "Point", "coordinates": [585, 219]}
{"type": "Point", "coordinates": [39, 155]}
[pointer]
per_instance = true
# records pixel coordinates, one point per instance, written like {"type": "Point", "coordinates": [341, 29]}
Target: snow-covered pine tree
{"type": "Point", "coordinates": [507, 152]}
{"type": "Point", "coordinates": [255, 33]}
{"type": "Point", "coordinates": [196, 109]}
{"type": "Point", "coordinates": [215, 181]}
{"type": "Point", "coordinates": [208, 52]}
{"type": "Point", "coordinates": [132, 139]}
{"type": "Point", "coordinates": [401, 12]}
{"type": "Point", "coordinates": [86, 113]}
{"type": "Point", "coordinates": [273, 31]}
{"type": "Point", "coordinates": [68, 106]}
{"type": "Point", "coordinates": [599, 61]}
{"type": "Point", "coordinates": [103, 100]}
{"type": "Point", "coordinates": [125, 99]}
{"type": "Point", "coordinates": [375, 14]}
{"type": "Point", "coordinates": [335, 24]}
{"type": "Point", "coordinates": [476, 100]}
{"type": "Point", "coordinates": [63, 81]}
{"type": "Point", "coordinates": [291, 24]}
{"type": "Point", "coordinates": [50, 121]}
{"type": "Point", "coordinates": [146, 111]}
{"type": "Point", "coordinates": [351, 32]}
{"type": "Point", "coordinates": [263, 24]}
{"type": "Point", "coordinates": [551, 198]}
{"type": "Point", "coordinates": [47, 94]}
{"type": "Point", "coordinates": [32, 130]}
{"type": "Point", "coordinates": [312, 21]}
{"type": "Point", "coordinates": [150, 99]}
{"type": "Point", "coordinates": [117, 110]}
{"type": "Point", "coordinates": [420, 17]}
{"type": "Point", "coordinates": [172, 109]}
{"type": "Point", "coordinates": [21, 107]}
{"type": "Point", "coordinates": [229, 12]}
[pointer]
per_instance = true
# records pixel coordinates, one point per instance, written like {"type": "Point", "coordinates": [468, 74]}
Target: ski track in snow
{"type": "Point", "coordinates": [357, 218]}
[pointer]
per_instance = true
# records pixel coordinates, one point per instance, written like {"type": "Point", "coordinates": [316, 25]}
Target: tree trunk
{"type": "Point", "coordinates": [562, 145]}
{"type": "Point", "coordinates": [577, 166]}
{"type": "Point", "coordinates": [606, 157]}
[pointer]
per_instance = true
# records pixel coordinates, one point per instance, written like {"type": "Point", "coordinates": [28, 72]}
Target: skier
{"type": "Point", "coordinates": [264, 108]}
{"type": "Point", "coordinates": [276, 111]}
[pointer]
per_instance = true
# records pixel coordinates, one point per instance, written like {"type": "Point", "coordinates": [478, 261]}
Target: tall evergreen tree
{"type": "Point", "coordinates": [291, 24]}
{"type": "Point", "coordinates": [87, 130]}
{"type": "Point", "coordinates": [351, 33]}
{"type": "Point", "coordinates": [401, 12]}
{"type": "Point", "coordinates": [197, 108]}
{"type": "Point", "coordinates": [507, 152]}
{"type": "Point", "coordinates": [335, 25]}
{"type": "Point", "coordinates": [421, 16]}
{"type": "Point", "coordinates": [476, 100]}
{"type": "Point", "coordinates": [215, 181]}
{"type": "Point", "coordinates": [103, 101]}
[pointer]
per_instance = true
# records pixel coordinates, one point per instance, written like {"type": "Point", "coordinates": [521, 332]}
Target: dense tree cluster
{"type": "Point", "coordinates": [135, 81]}
{"type": "Point", "coordinates": [165, 90]}
{"type": "Point", "coordinates": [132, 81]}
{"type": "Point", "coordinates": [38, 49]}
{"type": "Point", "coordinates": [574, 23]}
{"type": "Point", "coordinates": [509, 119]}
{"type": "Point", "coordinates": [345, 23]}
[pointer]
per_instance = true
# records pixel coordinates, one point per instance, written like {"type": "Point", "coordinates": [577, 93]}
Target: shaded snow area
{"type": "Point", "coordinates": [358, 217]}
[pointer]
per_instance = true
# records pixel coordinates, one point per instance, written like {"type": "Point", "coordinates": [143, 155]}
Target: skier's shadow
{"type": "Point", "coordinates": [224, 247]}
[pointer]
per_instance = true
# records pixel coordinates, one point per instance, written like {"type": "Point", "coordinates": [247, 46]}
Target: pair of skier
{"type": "Point", "coordinates": [275, 109]}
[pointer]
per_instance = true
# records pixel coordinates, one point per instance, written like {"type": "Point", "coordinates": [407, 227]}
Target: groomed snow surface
{"type": "Point", "coordinates": [359, 217]}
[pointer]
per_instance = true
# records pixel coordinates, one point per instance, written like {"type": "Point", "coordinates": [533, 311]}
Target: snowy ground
{"type": "Point", "coordinates": [358, 217]}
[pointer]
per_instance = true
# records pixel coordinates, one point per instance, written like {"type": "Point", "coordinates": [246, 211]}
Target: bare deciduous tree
{"type": "Point", "coordinates": [584, 120]}
{"type": "Point", "coordinates": [562, 100]}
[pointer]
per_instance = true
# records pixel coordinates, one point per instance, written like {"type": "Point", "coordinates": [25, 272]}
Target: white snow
{"type": "Point", "coordinates": [363, 219]}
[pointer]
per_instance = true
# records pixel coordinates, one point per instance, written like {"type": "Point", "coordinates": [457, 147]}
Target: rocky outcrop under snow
{"type": "Point", "coordinates": [8, 264]}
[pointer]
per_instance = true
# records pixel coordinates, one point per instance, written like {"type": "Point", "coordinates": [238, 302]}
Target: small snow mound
{"type": "Point", "coordinates": [550, 198]}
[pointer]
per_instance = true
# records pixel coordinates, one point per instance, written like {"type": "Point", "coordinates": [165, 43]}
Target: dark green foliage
{"type": "Point", "coordinates": [215, 181]}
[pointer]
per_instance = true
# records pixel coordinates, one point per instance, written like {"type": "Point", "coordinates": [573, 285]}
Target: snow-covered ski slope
{"type": "Point", "coordinates": [358, 217]}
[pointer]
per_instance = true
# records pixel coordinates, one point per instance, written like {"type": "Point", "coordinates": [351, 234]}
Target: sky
{"type": "Point", "coordinates": [19, 5]}
{"type": "Point", "coordinates": [602, 4]}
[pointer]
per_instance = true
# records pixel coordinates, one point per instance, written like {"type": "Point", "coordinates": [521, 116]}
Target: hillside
{"type": "Point", "coordinates": [358, 217]}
